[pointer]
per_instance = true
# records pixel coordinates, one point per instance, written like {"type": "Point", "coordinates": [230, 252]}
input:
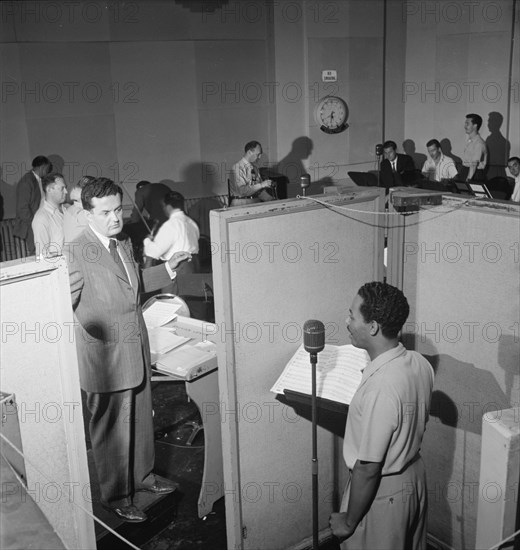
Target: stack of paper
{"type": "Point", "coordinates": [160, 313]}
{"type": "Point", "coordinates": [338, 373]}
{"type": "Point", "coordinates": [164, 339]}
{"type": "Point", "coordinates": [182, 360]}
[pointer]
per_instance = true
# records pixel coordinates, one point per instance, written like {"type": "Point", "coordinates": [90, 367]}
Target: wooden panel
{"type": "Point", "coordinates": [458, 264]}
{"type": "Point", "coordinates": [274, 267]}
{"type": "Point", "coordinates": [39, 366]}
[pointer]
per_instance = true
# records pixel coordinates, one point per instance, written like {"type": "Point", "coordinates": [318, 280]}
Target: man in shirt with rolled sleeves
{"type": "Point", "coordinates": [385, 501]}
{"type": "Point", "coordinates": [246, 185]}
{"type": "Point", "coordinates": [47, 224]}
{"type": "Point", "coordinates": [474, 158]}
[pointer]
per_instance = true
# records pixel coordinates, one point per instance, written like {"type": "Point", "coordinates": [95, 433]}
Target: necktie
{"type": "Point", "coordinates": [112, 247]}
{"type": "Point", "coordinates": [394, 169]}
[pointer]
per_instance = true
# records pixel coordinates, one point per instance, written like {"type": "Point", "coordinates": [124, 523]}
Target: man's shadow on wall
{"type": "Point", "coordinates": [418, 158]}
{"type": "Point", "coordinates": [448, 151]}
{"type": "Point", "coordinates": [462, 394]}
{"type": "Point", "coordinates": [292, 167]}
{"type": "Point", "coordinates": [498, 147]}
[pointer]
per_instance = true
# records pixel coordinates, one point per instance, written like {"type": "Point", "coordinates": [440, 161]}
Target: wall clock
{"type": "Point", "coordinates": [331, 115]}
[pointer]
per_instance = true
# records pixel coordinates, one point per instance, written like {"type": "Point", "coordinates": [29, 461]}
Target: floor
{"type": "Point", "coordinates": [174, 523]}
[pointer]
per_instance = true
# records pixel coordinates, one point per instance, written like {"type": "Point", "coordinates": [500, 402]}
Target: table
{"type": "Point", "coordinates": [201, 381]}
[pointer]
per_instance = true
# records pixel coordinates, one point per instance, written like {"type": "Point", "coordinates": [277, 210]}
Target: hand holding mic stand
{"type": "Point", "coordinates": [314, 342]}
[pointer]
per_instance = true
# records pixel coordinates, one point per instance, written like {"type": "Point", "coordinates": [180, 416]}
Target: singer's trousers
{"type": "Point", "coordinates": [397, 518]}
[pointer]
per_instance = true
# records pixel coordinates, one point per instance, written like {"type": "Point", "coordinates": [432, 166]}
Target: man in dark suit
{"type": "Point", "coordinates": [396, 169]}
{"type": "Point", "coordinates": [113, 349]}
{"type": "Point", "coordinates": [29, 197]}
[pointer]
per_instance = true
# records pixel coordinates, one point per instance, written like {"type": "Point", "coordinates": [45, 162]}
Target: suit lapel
{"type": "Point", "coordinates": [100, 254]}
{"type": "Point", "coordinates": [128, 259]}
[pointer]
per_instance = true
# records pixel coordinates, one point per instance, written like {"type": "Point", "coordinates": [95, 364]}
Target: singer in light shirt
{"type": "Point", "coordinates": [178, 233]}
{"type": "Point", "coordinates": [384, 504]}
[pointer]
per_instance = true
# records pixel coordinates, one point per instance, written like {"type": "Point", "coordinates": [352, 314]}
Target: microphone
{"type": "Point", "coordinates": [379, 149]}
{"type": "Point", "coordinates": [305, 181]}
{"type": "Point", "coordinates": [313, 337]}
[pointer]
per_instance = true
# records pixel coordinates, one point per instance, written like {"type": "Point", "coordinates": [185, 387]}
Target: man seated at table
{"type": "Point", "coordinates": [246, 185]}
{"type": "Point", "coordinates": [514, 167]}
{"type": "Point", "coordinates": [438, 167]}
{"type": "Point", "coordinates": [396, 169]}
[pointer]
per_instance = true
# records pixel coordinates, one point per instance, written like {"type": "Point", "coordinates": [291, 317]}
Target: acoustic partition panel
{"type": "Point", "coordinates": [276, 265]}
{"type": "Point", "coordinates": [40, 367]}
{"type": "Point", "coordinates": [458, 264]}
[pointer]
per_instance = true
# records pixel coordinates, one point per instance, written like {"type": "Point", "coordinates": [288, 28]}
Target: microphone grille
{"type": "Point", "coordinates": [313, 336]}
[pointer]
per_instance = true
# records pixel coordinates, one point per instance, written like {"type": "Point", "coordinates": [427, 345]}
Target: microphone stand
{"type": "Point", "coordinates": [314, 360]}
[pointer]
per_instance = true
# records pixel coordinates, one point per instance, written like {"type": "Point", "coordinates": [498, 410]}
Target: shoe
{"type": "Point", "coordinates": [129, 513]}
{"type": "Point", "coordinates": [160, 487]}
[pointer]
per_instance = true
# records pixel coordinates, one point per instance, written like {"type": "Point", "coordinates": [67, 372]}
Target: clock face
{"type": "Point", "coordinates": [332, 114]}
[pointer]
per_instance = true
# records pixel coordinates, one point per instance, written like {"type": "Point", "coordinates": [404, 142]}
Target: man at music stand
{"type": "Point", "coordinates": [384, 503]}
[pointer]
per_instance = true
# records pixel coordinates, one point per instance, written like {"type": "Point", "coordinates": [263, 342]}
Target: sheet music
{"type": "Point", "coordinates": [164, 339]}
{"type": "Point", "coordinates": [160, 313]}
{"type": "Point", "coordinates": [338, 373]}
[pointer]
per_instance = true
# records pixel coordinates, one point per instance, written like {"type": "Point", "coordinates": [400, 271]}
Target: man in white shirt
{"type": "Point", "coordinates": [438, 167]}
{"type": "Point", "coordinates": [514, 167]}
{"type": "Point", "coordinates": [47, 224]}
{"type": "Point", "coordinates": [178, 233]}
{"type": "Point", "coordinates": [246, 185]}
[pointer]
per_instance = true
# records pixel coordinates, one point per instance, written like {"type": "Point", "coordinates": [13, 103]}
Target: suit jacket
{"type": "Point", "coordinates": [404, 175]}
{"type": "Point", "coordinates": [111, 335]}
{"type": "Point", "coordinates": [28, 200]}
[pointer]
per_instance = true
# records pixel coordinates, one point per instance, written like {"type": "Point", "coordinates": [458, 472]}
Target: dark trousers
{"type": "Point", "coordinates": [122, 437]}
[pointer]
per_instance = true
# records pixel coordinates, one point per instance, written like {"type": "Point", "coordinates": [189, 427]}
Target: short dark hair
{"type": "Point", "coordinates": [99, 188]}
{"type": "Point", "coordinates": [386, 305]}
{"type": "Point", "coordinates": [513, 159]}
{"type": "Point", "coordinates": [49, 179]}
{"type": "Point", "coordinates": [174, 199]}
{"type": "Point", "coordinates": [250, 145]}
{"type": "Point", "coordinates": [40, 160]}
{"type": "Point", "coordinates": [142, 183]}
{"type": "Point", "coordinates": [475, 119]}
{"type": "Point", "coordinates": [433, 142]}
{"type": "Point", "coordinates": [390, 143]}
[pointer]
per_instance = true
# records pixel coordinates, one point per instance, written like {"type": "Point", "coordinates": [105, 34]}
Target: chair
{"type": "Point", "coordinates": [184, 310]}
{"type": "Point", "coordinates": [499, 188]}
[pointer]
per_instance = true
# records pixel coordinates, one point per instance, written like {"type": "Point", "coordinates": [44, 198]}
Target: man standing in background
{"type": "Point", "coordinates": [47, 224]}
{"type": "Point", "coordinates": [29, 197]}
{"type": "Point", "coordinates": [474, 158]}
